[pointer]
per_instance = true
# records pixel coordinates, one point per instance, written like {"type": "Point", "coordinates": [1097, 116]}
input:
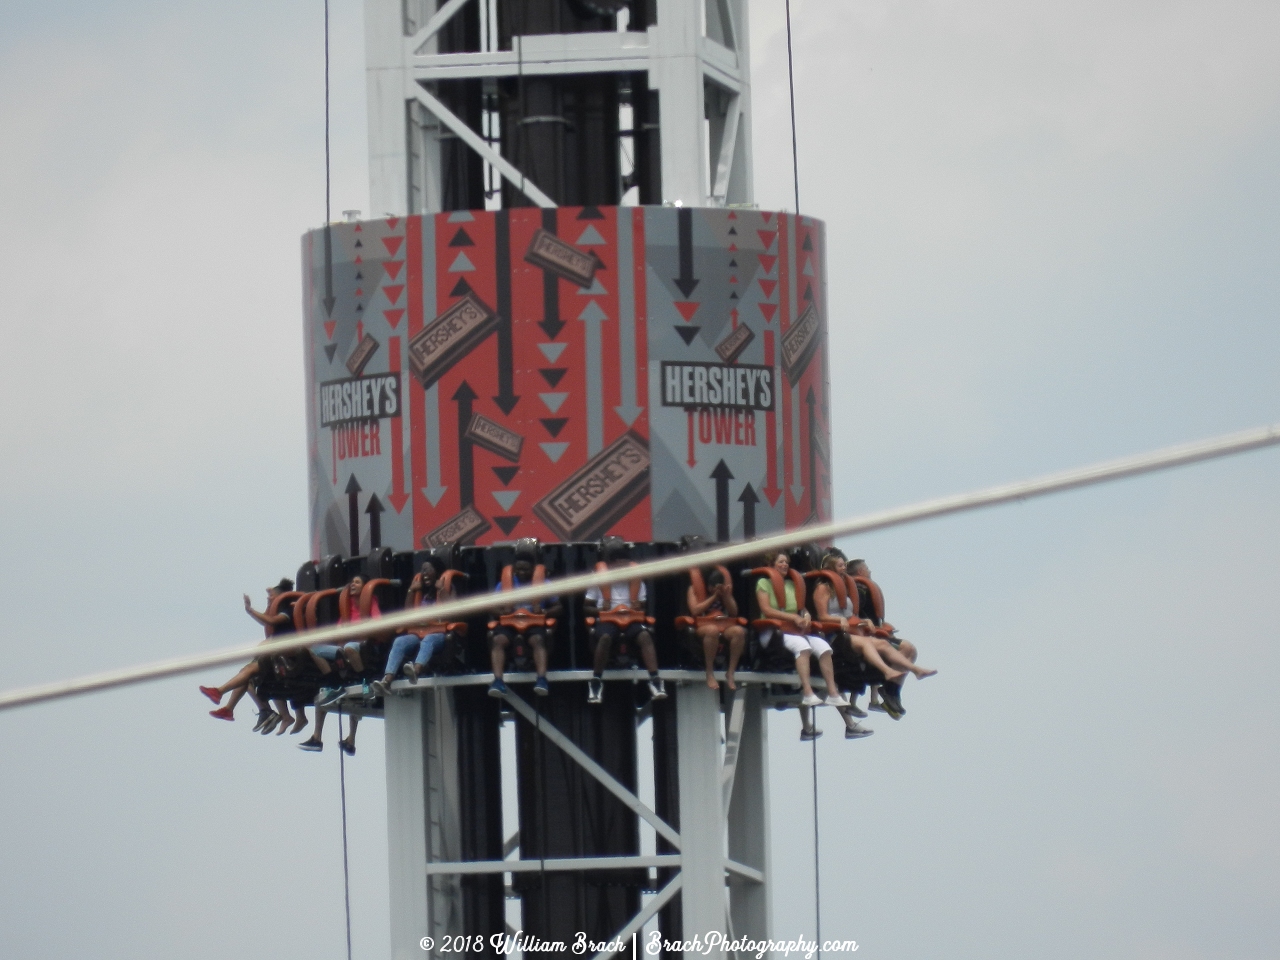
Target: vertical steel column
{"type": "Point", "coordinates": [675, 69]}
{"type": "Point", "coordinates": [702, 833]}
{"type": "Point", "coordinates": [748, 816]}
{"type": "Point", "coordinates": [422, 819]}
{"type": "Point", "coordinates": [386, 81]}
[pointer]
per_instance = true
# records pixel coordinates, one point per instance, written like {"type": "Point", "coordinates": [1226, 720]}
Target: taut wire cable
{"type": "Point", "coordinates": [346, 868]}
{"type": "Point", "coordinates": [791, 88]}
{"type": "Point", "coordinates": [1131, 466]}
{"type": "Point", "coordinates": [795, 177]}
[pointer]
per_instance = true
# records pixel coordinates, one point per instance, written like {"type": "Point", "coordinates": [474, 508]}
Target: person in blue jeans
{"type": "Point", "coordinates": [414, 650]}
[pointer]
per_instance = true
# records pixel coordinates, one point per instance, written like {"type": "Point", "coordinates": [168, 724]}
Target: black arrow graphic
{"type": "Point", "coordinates": [466, 477]}
{"type": "Point", "coordinates": [551, 324]}
{"type": "Point", "coordinates": [506, 398]}
{"type": "Point", "coordinates": [811, 401]}
{"type": "Point", "coordinates": [329, 299]}
{"type": "Point", "coordinates": [748, 501]}
{"type": "Point", "coordinates": [374, 510]}
{"type": "Point", "coordinates": [353, 513]}
{"type": "Point", "coordinates": [684, 231]}
{"type": "Point", "coordinates": [722, 476]}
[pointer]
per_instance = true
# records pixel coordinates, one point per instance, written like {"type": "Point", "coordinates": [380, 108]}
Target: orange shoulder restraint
{"type": "Point", "coordinates": [700, 594]}
{"type": "Point", "coordinates": [780, 595]}
{"type": "Point", "coordinates": [822, 619]}
{"type": "Point", "coordinates": [524, 618]}
{"type": "Point", "coordinates": [619, 618]}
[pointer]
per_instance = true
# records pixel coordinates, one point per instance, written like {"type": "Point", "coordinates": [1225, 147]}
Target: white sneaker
{"type": "Point", "coordinates": [836, 700]}
{"type": "Point", "coordinates": [857, 732]}
{"type": "Point", "coordinates": [812, 700]}
{"type": "Point", "coordinates": [657, 689]}
{"type": "Point", "coordinates": [595, 690]}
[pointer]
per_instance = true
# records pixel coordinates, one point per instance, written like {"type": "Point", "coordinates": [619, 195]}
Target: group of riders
{"type": "Point", "coordinates": [809, 605]}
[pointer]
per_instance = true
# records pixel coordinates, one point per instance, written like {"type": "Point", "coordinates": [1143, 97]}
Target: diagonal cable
{"type": "Point", "coordinates": [1136, 465]}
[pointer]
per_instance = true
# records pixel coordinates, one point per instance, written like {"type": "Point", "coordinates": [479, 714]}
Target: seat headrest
{"type": "Point", "coordinates": [692, 543]}
{"type": "Point", "coordinates": [613, 549]}
{"type": "Point", "coordinates": [528, 548]}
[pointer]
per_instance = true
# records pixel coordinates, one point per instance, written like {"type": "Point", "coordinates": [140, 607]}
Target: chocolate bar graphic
{"type": "Point", "coordinates": [495, 437]}
{"type": "Point", "coordinates": [450, 337]}
{"type": "Point", "coordinates": [548, 251]}
{"type": "Point", "coordinates": [463, 528]}
{"type": "Point", "coordinates": [361, 354]}
{"type": "Point", "coordinates": [800, 342]}
{"type": "Point", "coordinates": [600, 494]}
{"type": "Point", "coordinates": [731, 347]}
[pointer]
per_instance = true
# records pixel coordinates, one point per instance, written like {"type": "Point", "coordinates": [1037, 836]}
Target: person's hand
{"type": "Point", "coordinates": [844, 625]}
{"type": "Point", "coordinates": [416, 582]}
{"type": "Point", "coordinates": [248, 604]}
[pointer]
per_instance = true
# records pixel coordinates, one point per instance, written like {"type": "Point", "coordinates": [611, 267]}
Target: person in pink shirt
{"type": "Point", "coordinates": [326, 656]}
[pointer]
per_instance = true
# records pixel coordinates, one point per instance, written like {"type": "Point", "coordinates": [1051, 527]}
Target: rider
{"type": "Point", "coordinates": [243, 682]}
{"type": "Point", "coordinates": [522, 573]}
{"type": "Point", "coordinates": [800, 641]}
{"type": "Point", "coordinates": [624, 596]}
{"type": "Point", "coordinates": [720, 605]}
{"type": "Point", "coordinates": [419, 643]}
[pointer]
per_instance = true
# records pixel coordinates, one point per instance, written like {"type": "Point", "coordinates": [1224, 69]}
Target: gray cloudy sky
{"type": "Point", "coordinates": [1054, 237]}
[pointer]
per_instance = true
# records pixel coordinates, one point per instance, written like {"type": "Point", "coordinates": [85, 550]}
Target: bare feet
{"type": "Point", "coordinates": [301, 722]}
{"type": "Point", "coordinates": [729, 680]}
{"type": "Point", "coordinates": [713, 683]}
{"type": "Point", "coordinates": [921, 673]}
{"type": "Point", "coordinates": [285, 720]}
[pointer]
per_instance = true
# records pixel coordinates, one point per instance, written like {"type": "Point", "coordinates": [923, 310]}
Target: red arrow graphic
{"type": "Point", "coordinates": [771, 490]}
{"type": "Point", "coordinates": [399, 496]}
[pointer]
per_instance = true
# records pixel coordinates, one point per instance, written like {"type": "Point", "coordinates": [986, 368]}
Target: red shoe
{"type": "Point", "coordinates": [223, 713]}
{"type": "Point", "coordinates": [212, 693]}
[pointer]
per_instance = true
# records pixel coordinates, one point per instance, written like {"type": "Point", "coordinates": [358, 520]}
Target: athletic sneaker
{"type": "Point", "coordinates": [657, 689]}
{"type": "Point", "coordinates": [836, 701]}
{"type": "Point", "coordinates": [273, 721]}
{"type": "Point", "coordinates": [812, 700]}
{"type": "Point", "coordinates": [595, 690]}
{"type": "Point", "coordinates": [807, 735]}
{"type": "Point", "coordinates": [893, 704]}
{"type": "Point", "coordinates": [313, 746]}
{"type": "Point", "coordinates": [498, 689]}
{"type": "Point", "coordinates": [411, 672]}
{"type": "Point", "coordinates": [263, 715]}
{"type": "Point", "coordinates": [541, 687]}
{"type": "Point", "coordinates": [348, 748]}
{"type": "Point", "coordinates": [212, 693]}
{"type": "Point", "coordinates": [857, 732]}
{"type": "Point", "coordinates": [855, 710]}
{"type": "Point", "coordinates": [381, 688]}
{"type": "Point", "coordinates": [328, 695]}
{"type": "Point", "coordinates": [222, 713]}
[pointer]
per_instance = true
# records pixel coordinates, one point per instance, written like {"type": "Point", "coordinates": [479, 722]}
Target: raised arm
{"type": "Point", "coordinates": [263, 619]}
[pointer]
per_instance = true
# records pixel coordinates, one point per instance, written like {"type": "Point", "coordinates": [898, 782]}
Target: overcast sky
{"type": "Point", "coordinates": [1054, 238]}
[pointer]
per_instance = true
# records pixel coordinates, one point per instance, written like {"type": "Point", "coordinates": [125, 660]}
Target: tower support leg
{"type": "Point", "coordinates": [749, 824]}
{"type": "Point", "coordinates": [422, 819]}
{"type": "Point", "coordinates": [702, 832]}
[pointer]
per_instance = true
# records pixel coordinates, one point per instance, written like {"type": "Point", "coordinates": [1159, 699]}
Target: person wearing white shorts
{"type": "Point", "coordinates": [802, 645]}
